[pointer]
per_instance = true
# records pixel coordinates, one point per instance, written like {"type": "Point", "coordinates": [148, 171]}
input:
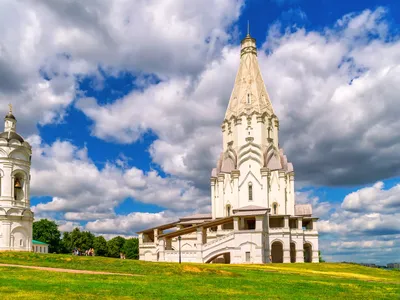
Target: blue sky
{"type": "Point", "coordinates": [122, 103]}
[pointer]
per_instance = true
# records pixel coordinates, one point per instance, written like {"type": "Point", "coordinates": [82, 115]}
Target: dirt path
{"type": "Point", "coordinates": [67, 270]}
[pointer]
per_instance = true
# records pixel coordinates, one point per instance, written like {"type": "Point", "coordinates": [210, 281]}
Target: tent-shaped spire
{"type": "Point", "coordinates": [249, 94]}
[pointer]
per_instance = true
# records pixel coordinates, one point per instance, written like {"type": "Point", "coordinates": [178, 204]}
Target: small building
{"type": "Point", "coordinates": [254, 216]}
{"type": "Point", "coordinates": [40, 247]}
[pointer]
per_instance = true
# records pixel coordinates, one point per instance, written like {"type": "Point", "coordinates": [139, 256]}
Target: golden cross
{"type": "Point", "coordinates": [10, 106]}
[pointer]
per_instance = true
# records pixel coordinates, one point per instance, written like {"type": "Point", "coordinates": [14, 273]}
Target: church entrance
{"type": "Point", "coordinates": [292, 252]}
{"type": "Point", "coordinates": [307, 253]}
{"type": "Point", "coordinates": [277, 252]}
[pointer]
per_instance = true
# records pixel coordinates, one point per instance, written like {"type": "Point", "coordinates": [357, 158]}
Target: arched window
{"type": "Point", "coordinates": [19, 187]}
{"type": "Point", "coordinates": [250, 191]}
{"type": "Point", "coordinates": [228, 210]}
{"type": "Point", "coordinates": [275, 208]}
{"type": "Point", "coordinates": [248, 99]}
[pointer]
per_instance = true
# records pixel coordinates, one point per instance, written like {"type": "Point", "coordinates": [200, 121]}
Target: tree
{"type": "Point", "coordinates": [85, 240]}
{"type": "Point", "coordinates": [66, 243]}
{"type": "Point", "coordinates": [114, 246]}
{"type": "Point", "coordinates": [320, 257]}
{"type": "Point", "coordinates": [100, 246]}
{"type": "Point", "coordinates": [131, 248]}
{"type": "Point", "coordinates": [47, 231]}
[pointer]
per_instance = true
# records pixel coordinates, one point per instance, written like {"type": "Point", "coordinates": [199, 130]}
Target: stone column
{"type": "Point", "coordinates": [241, 223]}
{"type": "Point", "coordinates": [314, 225]}
{"type": "Point", "coordinates": [221, 203]}
{"type": "Point", "coordinates": [299, 253]}
{"type": "Point", "coordinates": [140, 239]}
{"type": "Point", "coordinates": [264, 180]}
{"type": "Point", "coordinates": [155, 236]}
{"type": "Point", "coordinates": [286, 222]}
{"type": "Point", "coordinates": [286, 254]}
{"type": "Point", "coordinates": [235, 196]}
{"type": "Point", "coordinates": [161, 249]}
{"type": "Point", "coordinates": [236, 223]}
{"type": "Point", "coordinates": [300, 223]}
{"type": "Point", "coordinates": [213, 202]}
{"type": "Point", "coordinates": [7, 233]}
{"type": "Point", "coordinates": [291, 193]}
{"type": "Point", "coordinates": [199, 244]}
{"type": "Point", "coordinates": [259, 223]}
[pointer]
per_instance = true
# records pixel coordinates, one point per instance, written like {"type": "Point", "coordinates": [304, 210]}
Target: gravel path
{"type": "Point", "coordinates": [67, 270]}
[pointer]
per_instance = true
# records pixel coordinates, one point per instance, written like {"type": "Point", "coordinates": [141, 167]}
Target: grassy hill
{"type": "Point", "coordinates": [190, 281]}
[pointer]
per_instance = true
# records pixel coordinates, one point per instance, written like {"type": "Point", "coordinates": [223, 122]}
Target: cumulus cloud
{"type": "Point", "coordinates": [361, 227]}
{"type": "Point", "coordinates": [83, 191]}
{"type": "Point", "coordinates": [130, 223]}
{"type": "Point", "coordinates": [337, 105]}
{"type": "Point", "coordinates": [46, 46]}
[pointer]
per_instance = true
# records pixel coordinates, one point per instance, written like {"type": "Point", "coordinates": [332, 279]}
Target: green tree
{"type": "Point", "coordinates": [66, 243]}
{"type": "Point", "coordinates": [131, 248]}
{"type": "Point", "coordinates": [100, 246]}
{"type": "Point", "coordinates": [85, 240]}
{"type": "Point", "coordinates": [320, 257]}
{"type": "Point", "coordinates": [114, 246]}
{"type": "Point", "coordinates": [47, 231]}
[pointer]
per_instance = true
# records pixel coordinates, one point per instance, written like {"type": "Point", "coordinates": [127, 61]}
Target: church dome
{"type": "Point", "coordinates": [11, 136]}
{"type": "Point", "coordinates": [10, 116]}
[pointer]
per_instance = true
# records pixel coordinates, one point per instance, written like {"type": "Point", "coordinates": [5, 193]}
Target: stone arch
{"type": "Point", "coordinates": [292, 252]}
{"type": "Point", "coordinates": [307, 247]}
{"type": "Point", "coordinates": [19, 238]}
{"type": "Point", "coordinates": [27, 213]}
{"type": "Point", "coordinates": [20, 153]}
{"type": "Point", "coordinates": [148, 255]}
{"type": "Point", "coordinates": [14, 212]}
{"type": "Point", "coordinates": [218, 253]}
{"type": "Point", "coordinates": [186, 246]}
{"type": "Point", "coordinates": [277, 251]}
{"type": "Point", "coordinates": [19, 184]}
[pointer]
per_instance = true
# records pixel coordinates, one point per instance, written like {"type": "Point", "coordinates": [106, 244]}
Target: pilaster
{"type": "Point", "coordinates": [213, 201]}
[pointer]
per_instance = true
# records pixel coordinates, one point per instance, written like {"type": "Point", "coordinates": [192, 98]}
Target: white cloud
{"type": "Point", "coordinates": [373, 199]}
{"type": "Point", "coordinates": [361, 227]}
{"type": "Point", "coordinates": [335, 132]}
{"type": "Point", "coordinates": [46, 47]}
{"type": "Point", "coordinates": [130, 223]}
{"type": "Point", "coordinates": [83, 191]}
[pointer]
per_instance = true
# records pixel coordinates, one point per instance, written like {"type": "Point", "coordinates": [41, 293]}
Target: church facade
{"type": "Point", "coordinates": [254, 217]}
{"type": "Point", "coordinates": [16, 217]}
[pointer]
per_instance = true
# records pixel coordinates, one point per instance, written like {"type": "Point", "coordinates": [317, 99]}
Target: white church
{"type": "Point", "coordinates": [16, 217]}
{"type": "Point", "coordinates": [254, 217]}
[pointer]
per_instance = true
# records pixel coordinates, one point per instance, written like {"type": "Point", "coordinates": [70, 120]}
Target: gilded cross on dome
{"type": "Point", "coordinates": [10, 107]}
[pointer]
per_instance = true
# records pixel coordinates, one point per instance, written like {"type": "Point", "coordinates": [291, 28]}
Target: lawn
{"type": "Point", "coordinates": [190, 281]}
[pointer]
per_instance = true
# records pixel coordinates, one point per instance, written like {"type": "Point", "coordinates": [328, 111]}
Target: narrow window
{"type": "Point", "coordinates": [274, 207]}
{"type": "Point", "coordinates": [228, 210]}
{"type": "Point", "coordinates": [247, 256]}
{"type": "Point", "coordinates": [250, 191]}
{"type": "Point", "coordinates": [248, 99]}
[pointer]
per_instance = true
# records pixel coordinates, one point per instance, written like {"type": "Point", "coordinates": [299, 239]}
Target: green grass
{"type": "Point", "coordinates": [190, 281]}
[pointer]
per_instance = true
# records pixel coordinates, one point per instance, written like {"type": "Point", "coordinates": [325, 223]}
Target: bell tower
{"type": "Point", "coordinates": [16, 217]}
{"type": "Point", "coordinates": [252, 170]}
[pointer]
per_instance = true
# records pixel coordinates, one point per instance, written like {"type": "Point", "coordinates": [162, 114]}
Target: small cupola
{"type": "Point", "coordinates": [9, 121]}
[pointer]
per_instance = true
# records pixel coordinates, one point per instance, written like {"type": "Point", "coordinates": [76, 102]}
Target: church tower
{"type": "Point", "coordinates": [252, 170]}
{"type": "Point", "coordinates": [16, 217]}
